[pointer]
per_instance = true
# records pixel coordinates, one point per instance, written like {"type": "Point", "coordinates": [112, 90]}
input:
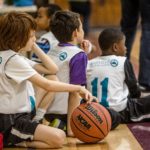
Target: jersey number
{"type": "Point", "coordinates": [104, 85]}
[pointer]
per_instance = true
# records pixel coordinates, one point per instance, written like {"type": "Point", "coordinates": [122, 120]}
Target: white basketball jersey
{"type": "Point", "coordinates": [62, 56]}
{"type": "Point", "coordinates": [51, 39]}
{"type": "Point", "coordinates": [16, 93]}
{"type": "Point", "coordinates": [106, 80]}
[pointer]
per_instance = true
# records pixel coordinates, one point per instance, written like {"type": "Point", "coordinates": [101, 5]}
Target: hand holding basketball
{"type": "Point", "coordinates": [85, 94]}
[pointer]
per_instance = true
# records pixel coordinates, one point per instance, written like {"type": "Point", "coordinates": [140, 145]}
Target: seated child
{"type": "Point", "coordinates": [45, 38]}
{"type": "Point", "coordinates": [111, 78]}
{"type": "Point", "coordinates": [17, 76]}
{"type": "Point", "coordinates": [71, 60]}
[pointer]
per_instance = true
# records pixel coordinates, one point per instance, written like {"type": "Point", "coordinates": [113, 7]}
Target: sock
{"type": "Point", "coordinates": [39, 114]}
{"type": "Point", "coordinates": [57, 123]}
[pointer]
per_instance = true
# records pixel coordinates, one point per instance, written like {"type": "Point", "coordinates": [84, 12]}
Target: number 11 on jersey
{"type": "Point", "coordinates": [104, 87]}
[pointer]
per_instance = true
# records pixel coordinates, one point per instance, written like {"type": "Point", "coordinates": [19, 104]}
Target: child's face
{"type": "Point", "coordinates": [80, 34]}
{"type": "Point", "coordinates": [121, 48]}
{"type": "Point", "coordinates": [42, 19]}
{"type": "Point", "coordinates": [31, 41]}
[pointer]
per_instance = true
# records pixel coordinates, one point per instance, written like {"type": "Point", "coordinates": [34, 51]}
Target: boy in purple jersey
{"type": "Point", "coordinates": [45, 38]}
{"type": "Point", "coordinates": [71, 60]}
{"type": "Point", "coordinates": [72, 63]}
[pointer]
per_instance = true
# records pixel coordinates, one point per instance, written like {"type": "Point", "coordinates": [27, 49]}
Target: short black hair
{"type": "Point", "coordinates": [108, 37]}
{"type": "Point", "coordinates": [51, 9]}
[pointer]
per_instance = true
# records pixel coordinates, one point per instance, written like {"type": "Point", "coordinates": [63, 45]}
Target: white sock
{"type": "Point", "coordinates": [39, 114]}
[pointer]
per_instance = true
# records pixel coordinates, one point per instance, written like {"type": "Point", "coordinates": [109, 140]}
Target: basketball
{"type": "Point", "coordinates": [90, 123]}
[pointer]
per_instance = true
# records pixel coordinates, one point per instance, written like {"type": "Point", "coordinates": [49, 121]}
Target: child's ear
{"type": "Point", "coordinates": [115, 47]}
{"type": "Point", "coordinates": [75, 33]}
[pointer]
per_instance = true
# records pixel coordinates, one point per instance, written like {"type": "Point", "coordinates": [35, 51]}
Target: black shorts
{"type": "Point", "coordinates": [137, 110]}
{"type": "Point", "coordinates": [51, 117]}
{"type": "Point", "coordinates": [17, 128]}
{"type": "Point", "coordinates": [57, 120]}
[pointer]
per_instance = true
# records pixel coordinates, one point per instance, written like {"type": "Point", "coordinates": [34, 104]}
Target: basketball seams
{"type": "Point", "coordinates": [88, 119]}
{"type": "Point", "coordinates": [104, 116]}
{"type": "Point", "coordinates": [82, 131]}
{"type": "Point", "coordinates": [92, 121]}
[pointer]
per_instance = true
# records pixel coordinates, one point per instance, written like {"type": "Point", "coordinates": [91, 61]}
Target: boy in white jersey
{"type": "Point", "coordinates": [71, 60]}
{"type": "Point", "coordinates": [17, 74]}
{"type": "Point", "coordinates": [111, 78]}
{"type": "Point", "coordinates": [47, 40]}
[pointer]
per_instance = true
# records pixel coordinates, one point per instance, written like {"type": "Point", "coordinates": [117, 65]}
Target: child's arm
{"type": "Point", "coordinates": [130, 80]}
{"type": "Point", "coordinates": [78, 77]}
{"type": "Point", "coordinates": [56, 86]}
{"type": "Point", "coordinates": [47, 66]}
{"type": "Point", "coordinates": [73, 102]}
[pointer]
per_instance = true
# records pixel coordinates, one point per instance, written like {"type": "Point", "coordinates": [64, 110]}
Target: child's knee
{"type": "Point", "coordinates": [59, 138]}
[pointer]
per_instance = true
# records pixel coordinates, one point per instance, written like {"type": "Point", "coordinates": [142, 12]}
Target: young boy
{"type": "Point", "coordinates": [71, 60]}
{"type": "Point", "coordinates": [47, 40]}
{"type": "Point", "coordinates": [17, 74]}
{"type": "Point", "coordinates": [112, 80]}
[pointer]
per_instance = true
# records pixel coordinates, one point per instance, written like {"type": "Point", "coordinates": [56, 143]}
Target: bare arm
{"type": "Point", "coordinates": [47, 66]}
{"type": "Point", "coordinates": [56, 86]}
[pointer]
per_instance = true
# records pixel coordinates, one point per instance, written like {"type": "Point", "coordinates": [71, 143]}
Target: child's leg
{"type": "Point", "coordinates": [43, 99]}
{"type": "Point", "coordinates": [46, 137]}
{"type": "Point", "coordinates": [73, 102]}
{"type": "Point", "coordinates": [116, 118]}
{"type": "Point", "coordinates": [139, 109]}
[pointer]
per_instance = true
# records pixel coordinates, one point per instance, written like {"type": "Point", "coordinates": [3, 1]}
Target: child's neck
{"type": "Point", "coordinates": [73, 43]}
{"type": "Point", "coordinates": [107, 53]}
{"type": "Point", "coordinates": [68, 43]}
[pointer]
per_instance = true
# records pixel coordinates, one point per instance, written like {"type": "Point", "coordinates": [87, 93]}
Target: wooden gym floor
{"type": "Point", "coordinates": [119, 139]}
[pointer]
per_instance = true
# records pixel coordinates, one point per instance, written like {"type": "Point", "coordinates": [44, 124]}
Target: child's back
{"type": "Point", "coordinates": [62, 56]}
{"type": "Point", "coordinates": [71, 60]}
{"type": "Point", "coordinates": [106, 81]}
{"type": "Point", "coordinates": [112, 79]}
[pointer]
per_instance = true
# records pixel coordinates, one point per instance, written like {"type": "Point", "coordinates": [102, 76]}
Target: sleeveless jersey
{"type": "Point", "coordinates": [62, 56]}
{"type": "Point", "coordinates": [106, 80]}
{"type": "Point", "coordinates": [46, 43]}
{"type": "Point", "coordinates": [17, 94]}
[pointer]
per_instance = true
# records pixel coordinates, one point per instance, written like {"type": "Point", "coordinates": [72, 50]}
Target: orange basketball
{"type": "Point", "coordinates": [90, 123]}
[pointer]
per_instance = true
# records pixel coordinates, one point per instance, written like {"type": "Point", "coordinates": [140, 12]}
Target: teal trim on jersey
{"type": "Point", "coordinates": [32, 100]}
{"type": "Point", "coordinates": [63, 56]}
{"type": "Point", "coordinates": [94, 87]}
{"type": "Point", "coordinates": [104, 84]}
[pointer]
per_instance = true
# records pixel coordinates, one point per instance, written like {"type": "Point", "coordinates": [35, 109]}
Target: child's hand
{"type": "Point", "coordinates": [85, 94]}
{"type": "Point", "coordinates": [95, 99]}
{"type": "Point", "coordinates": [35, 47]}
{"type": "Point", "coordinates": [86, 45]}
